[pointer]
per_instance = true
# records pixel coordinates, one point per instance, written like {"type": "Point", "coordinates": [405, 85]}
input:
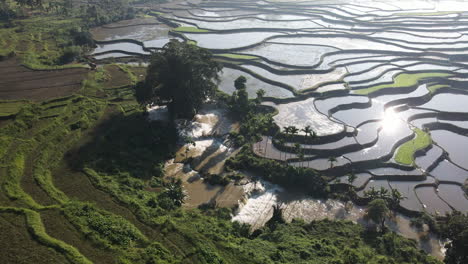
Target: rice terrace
{"type": "Point", "coordinates": [213, 131]}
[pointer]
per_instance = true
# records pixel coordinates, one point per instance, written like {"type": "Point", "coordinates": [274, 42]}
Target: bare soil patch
{"type": "Point", "coordinates": [19, 82]}
{"type": "Point", "coordinates": [118, 77]}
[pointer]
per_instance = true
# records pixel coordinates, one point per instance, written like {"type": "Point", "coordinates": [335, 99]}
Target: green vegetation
{"type": "Point", "coordinates": [434, 87]}
{"type": "Point", "coordinates": [190, 30]}
{"type": "Point", "coordinates": [237, 56]}
{"type": "Point", "coordinates": [455, 228]}
{"type": "Point", "coordinates": [405, 153]}
{"type": "Point", "coordinates": [402, 80]}
{"type": "Point", "coordinates": [301, 178]}
{"type": "Point", "coordinates": [9, 108]}
{"type": "Point", "coordinates": [103, 227]}
{"type": "Point", "coordinates": [377, 211]}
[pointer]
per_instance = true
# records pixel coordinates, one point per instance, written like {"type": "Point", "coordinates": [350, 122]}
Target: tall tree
{"type": "Point", "coordinates": [294, 130]}
{"type": "Point", "coordinates": [182, 75]}
{"type": "Point", "coordinates": [307, 131]}
{"type": "Point", "coordinates": [240, 103]}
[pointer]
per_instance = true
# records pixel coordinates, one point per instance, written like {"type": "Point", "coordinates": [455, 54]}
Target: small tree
{"type": "Point", "coordinates": [351, 177]}
{"type": "Point", "coordinates": [395, 198]}
{"type": "Point", "coordinates": [260, 94]}
{"type": "Point", "coordinates": [377, 211]}
{"type": "Point", "coordinates": [332, 161]}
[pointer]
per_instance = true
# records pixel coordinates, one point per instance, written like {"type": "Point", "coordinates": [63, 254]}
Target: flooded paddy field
{"type": "Point", "coordinates": [374, 79]}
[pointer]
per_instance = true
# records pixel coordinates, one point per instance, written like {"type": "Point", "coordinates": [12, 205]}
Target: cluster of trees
{"type": "Point", "coordinates": [455, 228]}
{"type": "Point", "coordinates": [93, 12]}
{"type": "Point", "coordinates": [239, 103]}
{"type": "Point", "coordinates": [304, 179]}
{"type": "Point", "coordinates": [106, 11]}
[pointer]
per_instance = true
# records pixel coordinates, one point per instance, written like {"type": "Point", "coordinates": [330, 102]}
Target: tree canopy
{"type": "Point", "coordinates": [182, 75]}
{"type": "Point", "coordinates": [377, 211]}
{"type": "Point", "coordinates": [455, 228]}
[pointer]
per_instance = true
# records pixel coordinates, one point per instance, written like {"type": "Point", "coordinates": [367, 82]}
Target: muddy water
{"type": "Point", "coordinates": [206, 155]}
{"type": "Point", "coordinates": [258, 209]}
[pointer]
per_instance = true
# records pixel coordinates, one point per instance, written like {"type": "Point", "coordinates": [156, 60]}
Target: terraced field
{"type": "Point", "coordinates": [381, 84]}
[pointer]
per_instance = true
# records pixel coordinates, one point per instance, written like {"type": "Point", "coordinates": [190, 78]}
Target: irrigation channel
{"type": "Point", "coordinates": [383, 84]}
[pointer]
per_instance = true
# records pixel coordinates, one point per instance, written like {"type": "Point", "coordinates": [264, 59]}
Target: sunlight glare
{"type": "Point", "coordinates": [389, 121]}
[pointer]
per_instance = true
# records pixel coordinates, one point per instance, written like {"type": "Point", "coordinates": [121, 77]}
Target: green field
{"type": "Point", "coordinates": [237, 56]}
{"type": "Point", "coordinates": [190, 30]}
{"type": "Point", "coordinates": [405, 153]}
{"type": "Point", "coordinates": [402, 80]}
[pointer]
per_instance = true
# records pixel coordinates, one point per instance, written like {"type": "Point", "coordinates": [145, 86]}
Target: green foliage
{"type": "Point", "coordinates": [101, 226]}
{"type": "Point", "coordinates": [293, 177]}
{"type": "Point", "coordinates": [9, 108]}
{"type": "Point", "coordinates": [253, 126]}
{"type": "Point", "coordinates": [377, 211]}
{"type": "Point", "coordinates": [182, 74]}
{"type": "Point", "coordinates": [455, 228]}
{"type": "Point", "coordinates": [239, 103]}
{"type": "Point", "coordinates": [106, 11]}
{"type": "Point", "coordinates": [155, 253]}
{"type": "Point", "coordinates": [70, 54]}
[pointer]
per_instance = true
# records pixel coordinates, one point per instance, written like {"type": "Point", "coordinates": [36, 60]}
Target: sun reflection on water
{"type": "Point", "coordinates": [390, 121]}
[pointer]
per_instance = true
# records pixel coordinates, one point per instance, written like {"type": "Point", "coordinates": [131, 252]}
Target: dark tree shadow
{"type": "Point", "coordinates": [126, 144]}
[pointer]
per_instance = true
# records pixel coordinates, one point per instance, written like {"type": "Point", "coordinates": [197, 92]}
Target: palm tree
{"type": "Point", "coordinates": [372, 193]}
{"type": "Point", "coordinates": [332, 160]}
{"type": "Point", "coordinates": [396, 198]}
{"type": "Point", "coordinates": [307, 131]}
{"type": "Point", "coordinates": [287, 130]}
{"type": "Point", "coordinates": [384, 194]}
{"type": "Point", "coordinates": [294, 130]}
